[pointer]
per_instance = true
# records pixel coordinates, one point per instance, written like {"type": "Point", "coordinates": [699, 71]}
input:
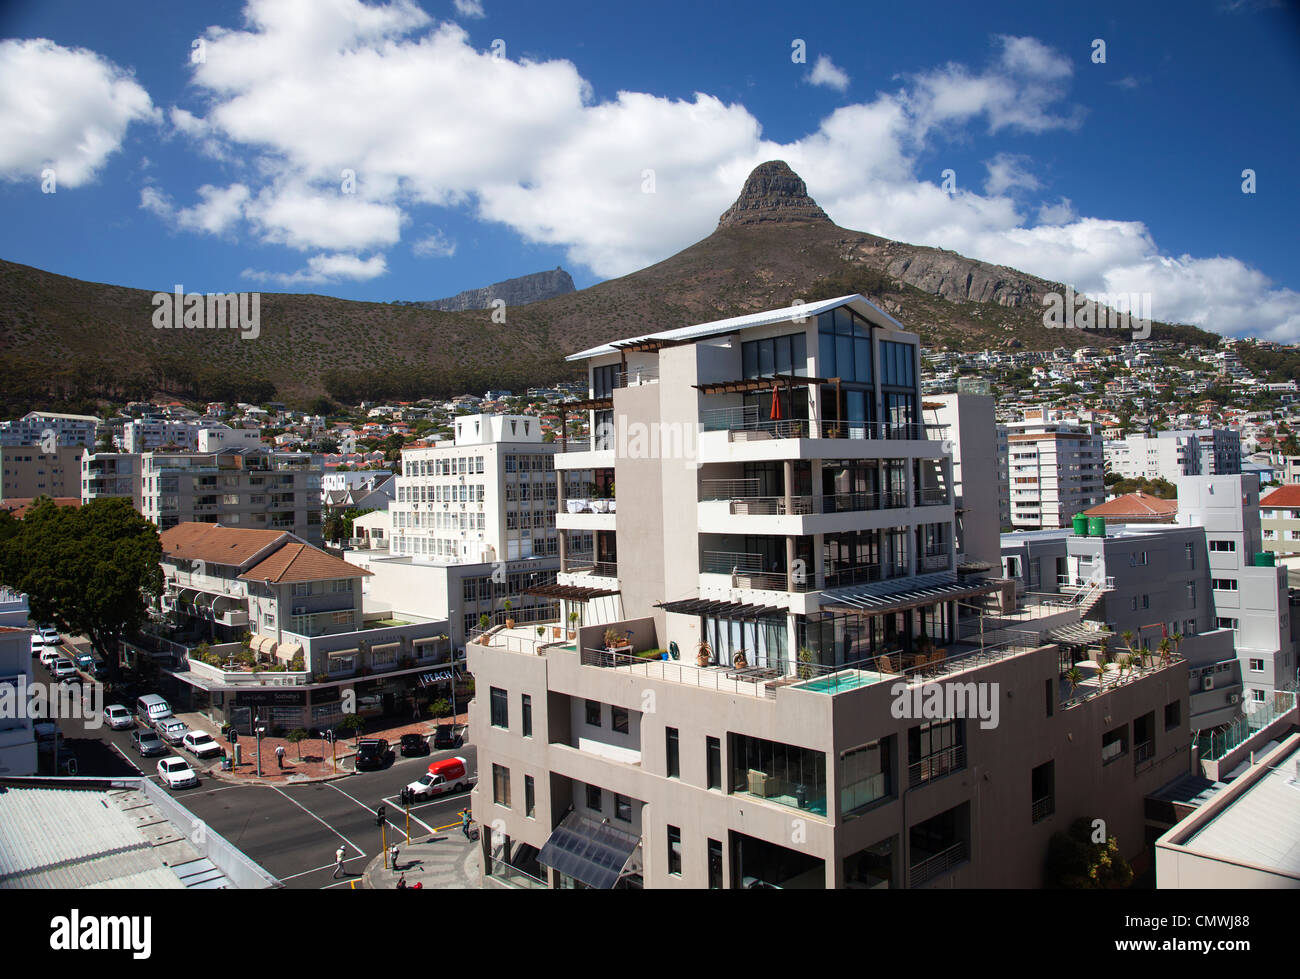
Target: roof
{"type": "Point", "coordinates": [1283, 496]}
{"type": "Point", "coordinates": [736, 323]}
{"type": "Point", "coordinates": [18, 506]}
{"type": "Point", "coordinates": [1135, 506]}
{"type": "Point", "coordinates": [216, 544]}
{"type": "Point", "coordinates": [301, 562]}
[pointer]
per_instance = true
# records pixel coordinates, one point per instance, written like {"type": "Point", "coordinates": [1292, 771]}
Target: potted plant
{"type": "Point", "coordinates": [806, 659]}
{"type": "Point", "coordinates": [573, 623]}
{"type": "Point", "coordinates": [739, 661]}
{"type": "Point", "coordinates": [615, 639]}
{"type": "Point", "coordinates": [703, 653]}
{"type": "Point", "coordinates": [541, 632]}
{"type": "Point", "coordinates": [510, 622]}
{"type": "Point", "coordinates": [484, 622]}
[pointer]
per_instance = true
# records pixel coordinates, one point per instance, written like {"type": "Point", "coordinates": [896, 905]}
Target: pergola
{"type": "Point", "coordinates": [722, 610]}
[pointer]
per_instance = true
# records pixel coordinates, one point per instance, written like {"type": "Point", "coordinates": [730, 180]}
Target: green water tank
{"type": "Point", "coordinates": [1097, 526]}
{"type": "Point", "coordinates": [1080, 525]}
{"type": "Point", "coordinates": [1264, 559]}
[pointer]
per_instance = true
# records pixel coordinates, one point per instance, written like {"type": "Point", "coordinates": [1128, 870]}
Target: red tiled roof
{"type": "Point", "coordinates": [1135, 506]}
{"type": "Point", "coordinates": [301, 562]}
{"type": "Point", "coordinates": [1283, 496]}
{"type": "Point", "coordinates": [216, 544]}
{"type": "Point", "coordinates": [18, 506]}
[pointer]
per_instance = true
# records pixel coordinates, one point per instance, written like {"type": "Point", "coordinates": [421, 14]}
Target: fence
{"type": "Point", "coordinates": [1213, 745]}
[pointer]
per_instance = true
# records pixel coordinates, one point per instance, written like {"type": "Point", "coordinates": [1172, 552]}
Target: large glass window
{"type": "Point", "coordinates": [898, 364]}
{"type": "Point", "coordinates": [501, 786]}
{"type": "Point", "coordinates": [528, 715]}
{"type": "Point", "coordinates": [530, 797]}
{"type": "Point", "coordinates": [866, 775]}
{"type": "Point", "coordinates": [783, 773]}
{"type": "Point", "coordinates": [500, 708]}
{"type": "Point", "coordinates": [674, 850]}
{"type": "Point", "coordinates": [714, 762]}
{"type": "Point", "coordinates": [775, 355]}
{"type": "Point", "coordinates": [844, 346]}
{"type": "Point", "coordinates": [935, 749]}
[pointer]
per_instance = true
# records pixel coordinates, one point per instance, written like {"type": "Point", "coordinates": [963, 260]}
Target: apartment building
{"type": "Point", "coordinates": [28, 472]}
{"type": "Point", "coordinates": [1054, 469]}
{"type": "Point", "coordinates": [783, 556]}
{"type": "Point", "coordinates": [35, 427]}
{"type": "Point", "coordinates": [972, 436]}
{"type": "Point", "coordinates": [1220, 449]}
{"type": "Point", "coordinates": [18, 754]}
{"type": "Point", "coordinates": [142, 435]}
{"type": "Point", "coordinates": [241, 487]}
{"type": "Point", "coordinates": [1279, 513]}
{"type": "Point", "coordinates": [1140, 457]}
{"type": "Point", "coordinates": [312, 634]}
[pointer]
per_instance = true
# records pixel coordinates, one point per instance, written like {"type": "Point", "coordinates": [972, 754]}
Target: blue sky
{"type": "Point", "coordinates": [606, 137]}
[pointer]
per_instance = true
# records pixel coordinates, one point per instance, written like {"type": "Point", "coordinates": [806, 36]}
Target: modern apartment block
{"type": "Point", "coordinates": [1279, 513]}
{"type": "Point", "coordinates": [972, 434]}
{"type": "Point", "coordinates": [1220, 449]}
{"type": "Point", "coordinates": [1168, 455]}
{"type": "Point", "coordinates": [245, 488]}
{"type": "Point", "coordinates": [783, 556]}
{"type": "Point", "coordinates": [142, 435]}
{"type": "Point", "coordinates": [29, 472]}
{"type": "Point", "coordinates": [311, 632]}
{"type": "Point", "coordinates": [36, 427]}
{"type": "Point", "coordinates": [1054, 469]}
{"type": "Point", "coordinates": [18, 754]}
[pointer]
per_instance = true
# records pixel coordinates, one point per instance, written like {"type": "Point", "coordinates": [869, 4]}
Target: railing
{"type": "Point", "coordinates": [673, 671]}
{"type": "Point", "coordinates": [728, 489]}
{"type": "Point", "coordinates": [1075, 581]}
{"type": "Point", "coordinates": [935, 562]}
{"type": "Point", "coordinates": [500, 870]}
{"type": "Point", "coordinates": [937, 765]}
{"type": "Point", "coordinates": [1144, 752]}
{"type": "Point", "coordinates": [574, 564]}
{"type": "Point", "coordinates": [590, 504]}
{"type": "Point", "coordinates": [749, 418]}
{"type": "Point", "coordinates": [746, 571]}
{"type": "Point", "coordinates": [637, 375]}
{"type": "Point", "coordinates": [842, 576]}
{"type": "Point", "coordinates": [930, 496]}
{"type": "Point", "coordinates": [753, 504]}
{"type": "Point", "coordinates": [1042, 808]}
{"type": "Point", "coordinates": [938, 864]}
{"type": "Point", "coordinates": [1112, 680]}
{"type": "Point", "coordinates": [1213, 745]}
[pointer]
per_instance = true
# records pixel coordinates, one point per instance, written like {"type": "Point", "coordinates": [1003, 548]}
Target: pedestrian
{"type": "Point", "coordinates": [279, 755]}
{"type": "Point", "coordinates": [392, 850]}
{"type": "Point", "coordinates": [464, 822]}
{"type": "Point", "coordinates": [401, 882]}
{"type": "Point", "coordinates": [338, 862]}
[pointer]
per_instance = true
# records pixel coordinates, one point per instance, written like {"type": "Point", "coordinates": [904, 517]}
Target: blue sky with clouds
{"type": "Point", "coordinates": [409, 150]}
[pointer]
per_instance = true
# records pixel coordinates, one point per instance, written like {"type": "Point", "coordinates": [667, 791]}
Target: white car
{"type": "Point", "coordinates": [200, 744]}
{"type": "Point", "coordinates": [118, 717]}
{"type": "Point", "coordinates": [49, 656]}
{"type": "Point", "coordinates": [38, 643]}
{"type": "Point", "coordinates": [176, 773]}
{"type": "Point", "coordinates": [51, 635]}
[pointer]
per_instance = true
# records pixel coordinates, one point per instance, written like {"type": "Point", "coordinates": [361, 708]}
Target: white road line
{"type": "Point", "coordinates": [125, 758]}
{"type": "Point", "coordinates": [317, 870]}
{"type": "Point", "coordinates": [360, 851]}
{"type": "Point", "coordinates": [400, 829]}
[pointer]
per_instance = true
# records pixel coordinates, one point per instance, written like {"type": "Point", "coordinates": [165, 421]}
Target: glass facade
{"type": "Point", "coordinates": [783, 773]}
{"type": "Point", "coordinates": [775, 355]}
{"type": "Point", "coordinates": [866, 775]}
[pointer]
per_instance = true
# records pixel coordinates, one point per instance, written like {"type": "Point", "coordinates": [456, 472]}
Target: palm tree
{"type": "Point", "coordinates": [1164, 651]}
{"type": "Point", "coordinates": [1177, 638]}
{"type": "Point", "coordinates": [1073, 676]}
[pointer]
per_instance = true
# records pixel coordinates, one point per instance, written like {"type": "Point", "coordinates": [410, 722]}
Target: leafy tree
{"type": "Point", "coordinates": [295, 737]}
{"type": "Point", "coordinates": [1077, 859]}
{"type": "Point", "coordinates": [439, 708]}
{"type": "Point", "coordinates": [352, 724]}
{"type": "Point", "coordinates": [90, 570]}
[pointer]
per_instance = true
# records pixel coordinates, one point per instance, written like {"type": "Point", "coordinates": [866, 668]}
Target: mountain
{"type": "Point", "coordinates": [513, 292]}
{"type": "Point", "coordinates": [66, 342]}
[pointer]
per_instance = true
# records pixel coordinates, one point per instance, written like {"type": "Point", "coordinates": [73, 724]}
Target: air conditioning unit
{"type": "Point", "coordinates": [1207, 683]}
{"type": "Point", "coordinates": [1233, 698]}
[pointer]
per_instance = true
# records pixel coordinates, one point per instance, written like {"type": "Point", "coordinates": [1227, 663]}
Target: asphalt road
{"type": "Point", "coordinates": [290, 829]}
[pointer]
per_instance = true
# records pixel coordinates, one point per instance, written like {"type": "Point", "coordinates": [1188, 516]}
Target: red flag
{"type": "Point", "coordinates": [776, 404]}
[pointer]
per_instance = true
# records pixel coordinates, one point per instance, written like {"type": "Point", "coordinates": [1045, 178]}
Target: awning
{"type": "Point", "coordinates": [1078, 634]}
{"type": "Point", "coordinates": [288, 651]}
{"type": "Point", "coordinates": [591, 852]}
{"type": "Point", "coordinates": [879, 598]}
{"type": "Point", "coordinates": [426, 641]}
{"type": "Point", "coordinates": [751, 384]}
{"type": "Point", "coordinates": [722, 610]}
{"type": "Point", "coordinates": [386, 647]}
{"type": "Point", "coordinates": [262, 644]}
{"type": "Point", "coordinates": [569, 593]}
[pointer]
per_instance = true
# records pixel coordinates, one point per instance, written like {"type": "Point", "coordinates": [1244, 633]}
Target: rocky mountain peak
{"type": "Point", "coordinates": [773, 193]}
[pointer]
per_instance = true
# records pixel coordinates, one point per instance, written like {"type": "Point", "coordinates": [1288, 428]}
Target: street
{"type": "Point", "coordinates": [292, 830]}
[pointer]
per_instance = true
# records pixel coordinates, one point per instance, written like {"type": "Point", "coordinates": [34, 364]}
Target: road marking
{"type": "Point", "coordinates": [125, 758]}
{"type": "Point", "coordinates": [316, 870]}
{"type": "Point", "coordinates": [399, 829]}
{"type": "Point", "coordinates": [360, 851]}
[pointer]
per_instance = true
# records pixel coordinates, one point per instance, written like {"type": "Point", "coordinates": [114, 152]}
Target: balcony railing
{"type": "Point", "coordinates": [635, 376]}
{"type": "Point", "coordinates": [939, 864]}
{"type": "Point", "coordinates": [1144, 752]}
{"type": "Point", "coordinates": [1042, 808]}
{"type": "Point", "coordinates": [931, 496]}
{"type": "Point", "coordinates": [585, 564]}
{"type": "Point", "coordinates": [937, 765]}
{"type": "Point", "coordinates": [746, 571]}
{"type": "Point", "coordinates": [749, 419]}
{"type": "Point", "coordinates": [743, 494]}
{"type": "Point", "coordinates": [590, 505]}
{"type": "Point", "coordinates": [935, 562]}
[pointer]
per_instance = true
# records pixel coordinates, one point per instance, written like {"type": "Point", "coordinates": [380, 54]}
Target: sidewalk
{"type": "Point", "coordinates": [306, 761]}
{"type": "Point", "coordinates": [446, 862]}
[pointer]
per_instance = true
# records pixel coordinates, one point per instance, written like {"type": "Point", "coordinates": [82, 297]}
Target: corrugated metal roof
{"type": "Point", "coordinates": [1261, 826]}
{"type": "Point", "coordinates": [721, 327]}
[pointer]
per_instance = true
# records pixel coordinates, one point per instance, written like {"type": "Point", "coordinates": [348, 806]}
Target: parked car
{"type": "Point", "coordinates": [171, 729]}
{"type": "Point", "coordinates": [51, 635]}
{"type": "Point", "coordinates": [86, 662]}
{"type": "Point", "coordinates": [64, 671]}
{"type": "Point", "coordinates": [118, 717]}
{"type": "Point", "coordinates": [49, 656]}
{"type": "Point", "coordinates": [372, 753]}
{"type": "Point", "coordinates": [176, 773]}
{"type": "Point", "coordinates": [414, 744]}
{"type": "Point", "coordinates": [98, 669]}
{"type": "Point", "coordinates": [38, 643]}
{"type": "Point", "coordinates": [201, 744]}
{"type": "Point", "coordinates": [148, 743]}
{"type": "Point", "coordinates": [445, 736]}
{"type": "Point", "coordinates": [443, 777]}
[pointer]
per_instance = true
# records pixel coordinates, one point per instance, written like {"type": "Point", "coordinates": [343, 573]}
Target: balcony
{"type": "Point", "coordinates": [938, 561]}
{"type": "Point", "coordinates": [937, 765]}
{"type": "Point", "coordinates": [939, 864]}
{"type": "Point", "coordinates": [588, 565]}
{"type": "Point", "coordinates": [743, 496]}
{"type": "Point", "coordinates": [636, 376]}
{"type": "Point", "coordinates": [746, 571]}
{"type": "Point", "coordinates": [932, 496]}
{"type": "Point", "coordinates": [745, 423]}
{"type": "Point", "coordinates": [1042, 808]}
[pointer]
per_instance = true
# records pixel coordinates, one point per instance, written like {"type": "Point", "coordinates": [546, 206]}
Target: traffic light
{"type": "Point", "coordinates": [380, 818]}
{"type": "Point", "coordinates": [232, 736]}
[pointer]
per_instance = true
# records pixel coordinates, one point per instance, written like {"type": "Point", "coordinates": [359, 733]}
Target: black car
{"type": "Point", "coordinates": [414, 744]}
{"type": "Point", "coordinates": [446, 737]}
{"type": "Point", "coordinates": [372, 753]}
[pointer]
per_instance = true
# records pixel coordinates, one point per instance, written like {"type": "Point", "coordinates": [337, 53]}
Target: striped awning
{"type": "Point", "coordinates": [915, 592]}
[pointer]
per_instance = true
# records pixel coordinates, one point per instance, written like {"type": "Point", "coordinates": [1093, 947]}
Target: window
{"type": "Point", "coordinates": [775, 355]}
{"type": "Point", "coordinates": [618, 719]}
{"type": "Point", "coordinates": [1222, 545]}
{"type": "Point", "coordinates": [501, 786]}
{"type": "Point", "coordinates": [1050, 698]}
{"type": "Point", "coordinates": [1114, 744]}
{"type": "Point", "coordinates": [593, 713]}
{"type": "Point", "coordinates": [500, 708]}
{"type": "Point", "coordinates": [1173, 715]}
{"type": "Point", "coordinates": [593, 798]}
{"type": "Point", "coordinates": [1223, 584]}
{"type": "Point", "coordinates": [1146, 601]}
{"type": "Point", "coordinates": [715, 865]}
{"type": "Point", "coordinates": [671, 748]}
{"type": "Point", "coordinates": [1191, 594]}
{"type": "Point", "coordinates": [1042, 791]}
{"type": "Point", "coordinates": [530, 800]}
{"type": "Point", "coordinates": [1191, 555]}
{"type": "Point", "coordinates": [866, 775]}
{"type": "Point", "coordinates": [1189, 627]}
{"type": "Point", "coordinates": [1256, 696]}
{"type": "Point", "coordinates": [528, 715]}
{"type": "Point", "coordinates": [623, 808]}
{"type": "Point", "coordinates": [1133, 603]}
{"type": "Point", "coordinates": [674, 851]}
{"type": "Point", "coordinates": [1256, 666]}
{"type": "Point", "coordinates": [1224, 623]}
{"type": "Point", "coordinates": [714, 751]}
{"type": "Point", "coordinates": [935, 749]}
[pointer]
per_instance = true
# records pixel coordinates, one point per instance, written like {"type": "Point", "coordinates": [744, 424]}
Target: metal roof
{"type": "Point", "coordinates": [588, 851]}
{"type": "Point", "coordinates": [733, 324]}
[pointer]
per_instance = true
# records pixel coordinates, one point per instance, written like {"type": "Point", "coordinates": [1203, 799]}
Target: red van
{"type": "Point", "coordinates": [443, 777]}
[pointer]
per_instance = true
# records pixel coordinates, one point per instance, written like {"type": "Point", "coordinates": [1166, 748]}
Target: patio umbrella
{"type": "Point", "coordinates": [776, 404]}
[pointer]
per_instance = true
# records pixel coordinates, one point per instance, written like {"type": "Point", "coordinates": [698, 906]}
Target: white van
{"type": "Point", "coordinates": [151, 708]}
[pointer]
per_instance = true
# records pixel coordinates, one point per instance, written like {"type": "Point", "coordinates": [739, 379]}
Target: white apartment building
{"type": "Point", "coordinates": [1140, 457]}
{"type": "Point", "coordinates": [18, 755]}
{"type": "Point", "coordinates": [215, 438]}
{"type": "Point", "coordinates": [68, 429]}
{"type": "Point", "coordinates": [1054, 469]}
{"type": "Point", "coordinates": [142, 435]}
{"type": "Point", "coordinates": [489, 495]}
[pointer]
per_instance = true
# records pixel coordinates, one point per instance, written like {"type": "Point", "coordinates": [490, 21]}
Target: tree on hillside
{"type": "Point", "coordinates": [90, 570]}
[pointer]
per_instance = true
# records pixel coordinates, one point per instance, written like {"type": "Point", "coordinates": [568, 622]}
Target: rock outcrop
{"type": "Point", "coordinates": [515, 292]}
{"type": "Point", "coordinates": [773, 193]}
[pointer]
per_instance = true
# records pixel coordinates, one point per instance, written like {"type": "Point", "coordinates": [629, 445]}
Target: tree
{"type": "Point", "coordinates": [295, 737]}
{"type": "Point", "coordinates": [352, 724]}
{"type": "Point", "coordinates": [1086, 858]}
{"type": "Point", "coordinates": [90, 570]}
{"type": "Point", "coordinates": [439, 708]}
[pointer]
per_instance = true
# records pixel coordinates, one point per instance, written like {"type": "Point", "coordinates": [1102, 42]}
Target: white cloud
{"type": "Point", "coordinates": [436, 244]}
{"type": "Point", "coordinates": [63, 108]}
{"type": "Point", "coordinates": [469, 8]}
{"type": "Point", "coordinates": [326, 268]}
{"type": "Point", "coordinates": [218, 211]}
{"type": "Point", "coordinates": [825, 73]}
{"type": "Point", "coordinates": [1007, 170]}
{"type": "Point", "coordinates": [308, 89]}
